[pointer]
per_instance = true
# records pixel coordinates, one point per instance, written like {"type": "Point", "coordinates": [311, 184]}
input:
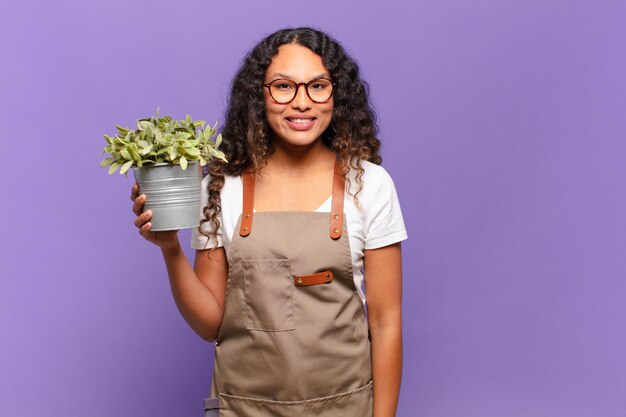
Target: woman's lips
{"type": "Point", "coordinates": [300, 123]}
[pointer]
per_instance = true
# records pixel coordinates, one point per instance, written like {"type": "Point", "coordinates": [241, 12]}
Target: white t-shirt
{"type": "Point", "coordinates": [378, 223]}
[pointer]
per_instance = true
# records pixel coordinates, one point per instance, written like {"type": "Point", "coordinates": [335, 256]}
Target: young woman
{"type": "Point", "coordinates": [288, 225]}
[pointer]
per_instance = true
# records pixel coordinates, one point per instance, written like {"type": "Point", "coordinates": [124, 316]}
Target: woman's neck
{"type": "Point", "coordinates": [296, 158]}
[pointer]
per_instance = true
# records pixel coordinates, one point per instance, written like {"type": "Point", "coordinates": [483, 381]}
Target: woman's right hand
{"type": "Point", "coordinates": [166, 239]}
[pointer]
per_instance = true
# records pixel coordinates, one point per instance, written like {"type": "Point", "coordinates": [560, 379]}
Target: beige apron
{"type": "Point", "coordinates": [294, 337]}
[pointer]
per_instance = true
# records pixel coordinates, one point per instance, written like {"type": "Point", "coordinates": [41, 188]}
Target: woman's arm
{"type": "Point", "coordinates": [383, 286]}
{"type": "Point", "coordinates": [199, 292]}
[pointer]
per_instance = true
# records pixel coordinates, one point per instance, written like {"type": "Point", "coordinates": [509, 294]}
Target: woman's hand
{"type": "Point", "coordinates": [165, 240]}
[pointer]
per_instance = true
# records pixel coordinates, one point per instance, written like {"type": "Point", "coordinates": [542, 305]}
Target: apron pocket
{"type": "Point", "coordinates": [268, 293]}
{"type": "Point", "coordinates": [356, 403]}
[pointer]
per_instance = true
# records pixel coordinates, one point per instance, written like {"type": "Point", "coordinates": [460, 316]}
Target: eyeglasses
{"type": "Point", "coordinates": [283, 91]}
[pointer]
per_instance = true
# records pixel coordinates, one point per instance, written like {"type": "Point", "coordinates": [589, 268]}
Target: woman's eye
{"type": "Point", "coordinates": [282, 86]}
{"type": "Point", "coordinates": [319, 85]}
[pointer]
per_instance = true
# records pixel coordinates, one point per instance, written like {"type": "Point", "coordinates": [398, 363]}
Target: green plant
{"type": "Point", "coordinates": [161, 140]}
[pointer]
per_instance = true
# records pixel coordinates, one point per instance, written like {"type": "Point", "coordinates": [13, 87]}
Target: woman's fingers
{"type": "Point", "coordinates": [145, 229]}
{"type": "Point", "coordinates": [138, 205]}
{"type": "Point", "coordinates": [138, 199]}
{"type": "Point", "coordinates": [142, 221]}
{"type": "Point", "coordinates": [134, 191]}
{"type": "Point", "coordinates": [142, 218]}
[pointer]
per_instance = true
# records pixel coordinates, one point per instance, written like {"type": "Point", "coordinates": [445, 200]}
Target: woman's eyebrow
{"type": "Point", "coordinates": [281, 75]}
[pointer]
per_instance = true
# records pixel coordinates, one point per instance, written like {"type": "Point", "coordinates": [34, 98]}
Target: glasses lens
{"type": "Point", "coordinates": [283, 91]}
{"type": "Point", "coordinates": [320, 90]}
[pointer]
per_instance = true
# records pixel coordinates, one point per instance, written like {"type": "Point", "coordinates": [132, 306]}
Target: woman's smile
{"type": "Point", "coordinates": [300, 123]}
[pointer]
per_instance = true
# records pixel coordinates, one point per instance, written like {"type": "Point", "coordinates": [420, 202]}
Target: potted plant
{"type": "Point", "coordinates": [166, 156]}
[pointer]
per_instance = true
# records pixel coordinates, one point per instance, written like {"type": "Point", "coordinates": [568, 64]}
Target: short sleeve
{"type": "Point", "coordinates": [385, 224]}
{"type": "Point", "coordinates": [199, 240]}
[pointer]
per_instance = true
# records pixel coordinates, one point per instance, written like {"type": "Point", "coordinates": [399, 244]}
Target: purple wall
{"type": "Point", "coordinates": [503, 126]}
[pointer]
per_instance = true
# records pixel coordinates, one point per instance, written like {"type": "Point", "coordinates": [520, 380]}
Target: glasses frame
{"type": "Point", "coordinates": [306, 89]}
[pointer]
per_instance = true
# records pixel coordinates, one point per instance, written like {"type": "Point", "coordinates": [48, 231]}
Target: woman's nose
{"type": "Point", "coordinates": [302, 100]}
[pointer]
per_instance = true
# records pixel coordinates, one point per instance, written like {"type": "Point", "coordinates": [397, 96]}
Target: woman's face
{"type": "Point", "coordinates": [302, 121]}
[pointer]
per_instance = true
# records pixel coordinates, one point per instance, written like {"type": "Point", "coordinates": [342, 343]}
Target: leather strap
{"type": "Point", "coordinates": [336, 210]}
{"type": "Point", "coordinates": [323, 277]}
{"type": "Point", "coordinates": [248, 203]}
{"type": "Point", "coordinates": [211, 404]}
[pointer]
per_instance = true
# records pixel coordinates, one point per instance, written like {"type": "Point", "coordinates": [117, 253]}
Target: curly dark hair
{"type": "Point", "coordinates": [248, 138]}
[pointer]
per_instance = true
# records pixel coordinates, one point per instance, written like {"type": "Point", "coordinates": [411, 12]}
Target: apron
{"type": "Point", "coordinates": [294, 337]}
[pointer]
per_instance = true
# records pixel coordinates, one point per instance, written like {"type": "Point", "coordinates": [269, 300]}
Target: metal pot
{"type": "Point", "coordinates": [173, 194]}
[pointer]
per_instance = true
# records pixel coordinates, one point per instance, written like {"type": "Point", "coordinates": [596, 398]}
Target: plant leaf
{"type": "Point", "coordinates": [146, 150]}
{"type": "Point", "coordinates": [192, 152]}
{"type": "Point", "coordinates": [114, 166]}
{"type": "Point", "coordinates": [106, 162]}
{"type": "Point", "coordinates": [134, 154]}
{"type": "Point", "coordinates": [183, 162]}
{"type": "Point", "coordinates": [126, 166]}
{"type": "Point", "coordinates": [143, 124]}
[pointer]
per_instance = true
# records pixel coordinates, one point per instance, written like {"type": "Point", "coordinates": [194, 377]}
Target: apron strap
{"type": "Point", "coordinates": [211, 407]}
{"type": "Point", "coordinates": [336, 211]}
{"type": "Point", "coordinates": [248, 203]}
{"type": "Point", "coordinates": [336, 208]}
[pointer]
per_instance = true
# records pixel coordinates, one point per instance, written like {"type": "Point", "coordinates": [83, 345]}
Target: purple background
{"type": "Point", "coordinates": [503, 126]}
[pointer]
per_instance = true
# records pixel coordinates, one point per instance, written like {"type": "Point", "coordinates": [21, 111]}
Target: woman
{"type": "Point", "coordinates": [301, 207]}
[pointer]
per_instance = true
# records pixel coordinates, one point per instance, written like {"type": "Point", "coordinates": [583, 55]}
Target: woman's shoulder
{"type": "Point", "coordinates": [383, 223]}
{"type": "Point", "coordinates": [375, 178]}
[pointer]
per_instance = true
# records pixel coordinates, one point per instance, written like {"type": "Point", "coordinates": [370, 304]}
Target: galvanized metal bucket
{"type": "Point", "coordinates": [173, 194]}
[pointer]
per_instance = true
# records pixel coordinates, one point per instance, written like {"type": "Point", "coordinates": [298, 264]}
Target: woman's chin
{"type": "Point", "coordinates": [300, 140]}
